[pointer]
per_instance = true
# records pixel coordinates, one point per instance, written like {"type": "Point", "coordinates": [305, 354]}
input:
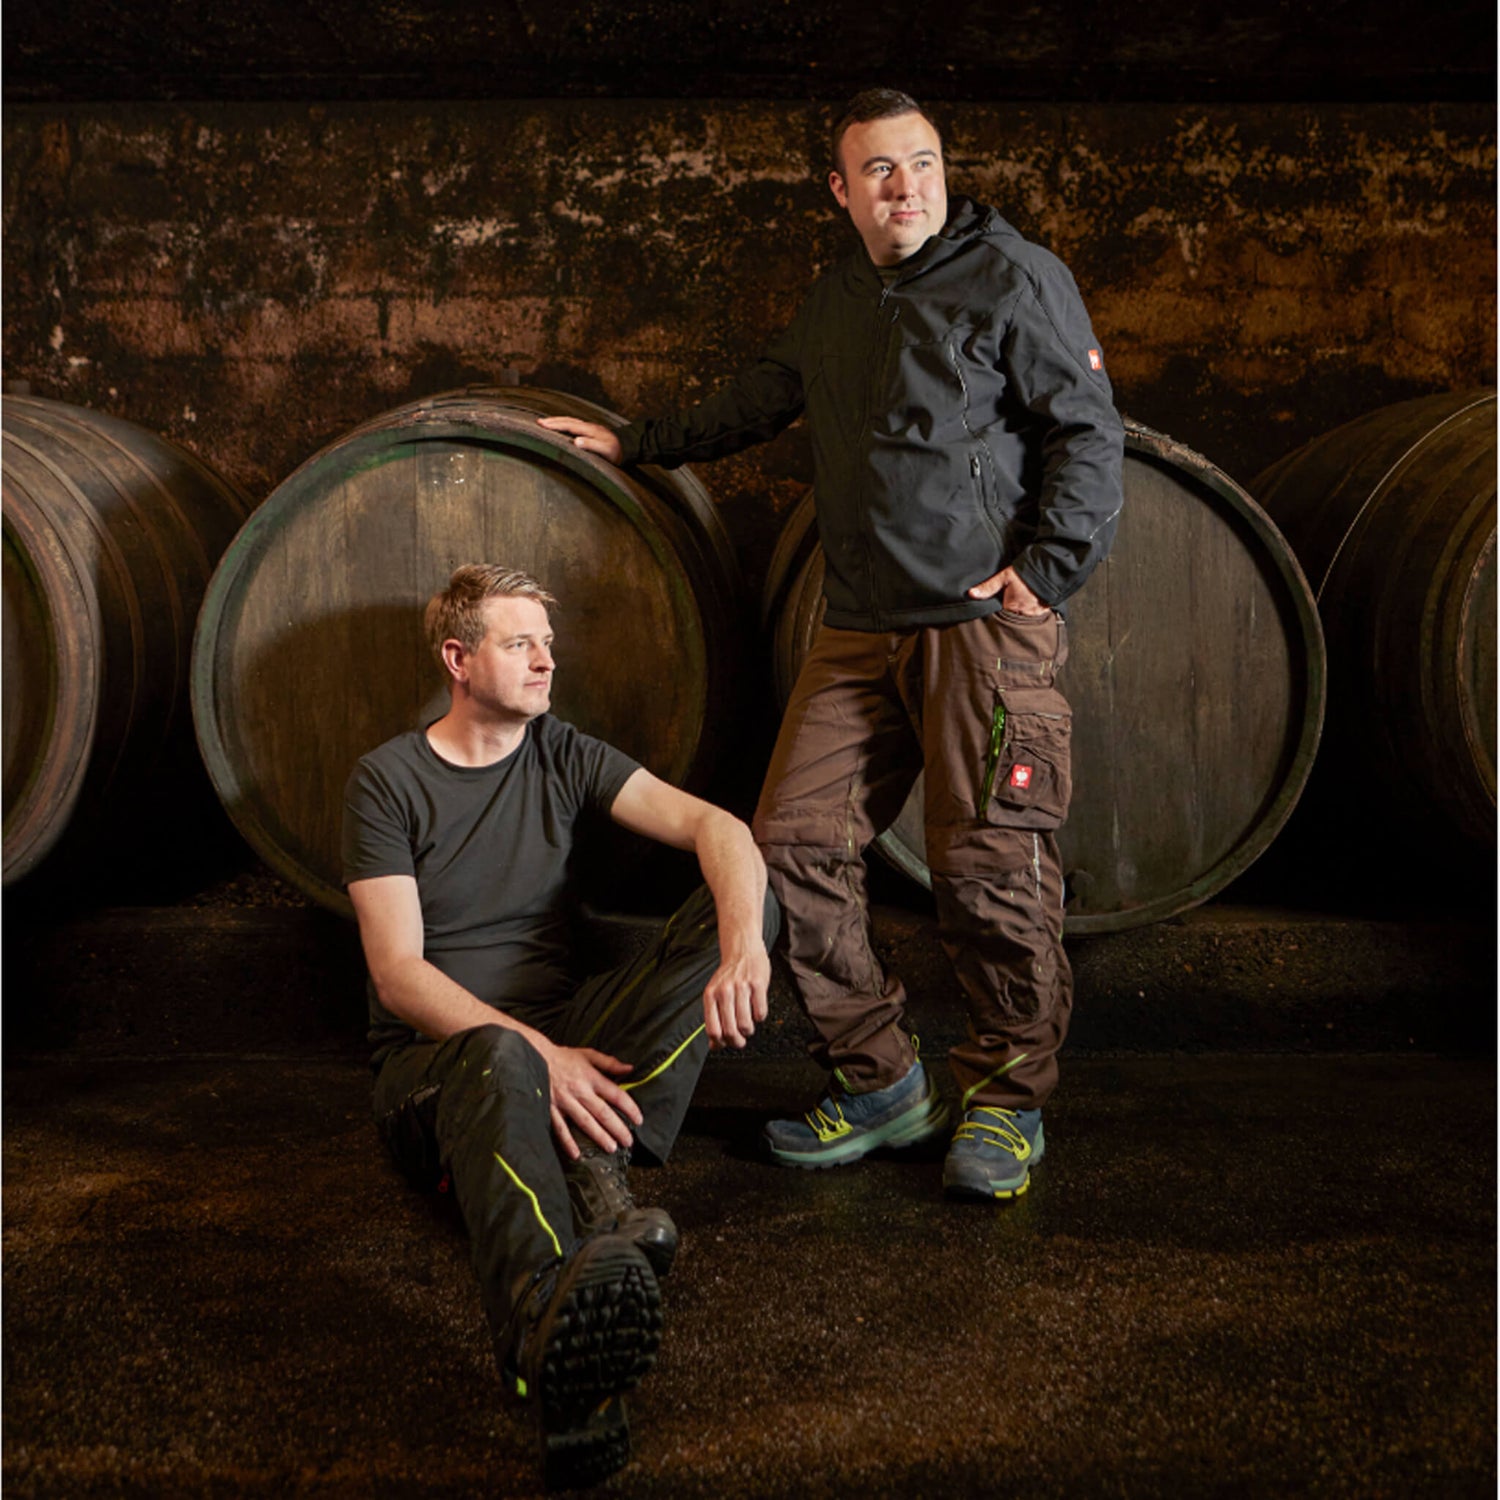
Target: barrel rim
{"type": "Point", "coordinates": [49, 799]}
{"type": "Point", "coordinates": [382, 437]}
{"type": "Point", "coordinates": [1361, 482]}
{"type": "Point", "coordinates": [680, 487]}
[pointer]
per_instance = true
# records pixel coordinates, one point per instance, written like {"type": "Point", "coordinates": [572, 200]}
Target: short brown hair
{"type": "Point", "coordinates": [457, 614]}
{"type": "Point", "coordinates": [873, 104]}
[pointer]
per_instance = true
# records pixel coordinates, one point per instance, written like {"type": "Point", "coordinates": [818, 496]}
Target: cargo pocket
{"type": "Point", "coordinates": [1028, 777]}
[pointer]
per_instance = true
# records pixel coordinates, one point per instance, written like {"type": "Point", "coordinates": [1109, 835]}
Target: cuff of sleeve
{"type": "Point", "coordinates": [630, 439]}
{"type": "Point", "coordinates": [1037, 582]}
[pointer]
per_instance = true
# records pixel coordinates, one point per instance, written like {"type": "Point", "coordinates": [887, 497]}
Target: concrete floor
{"type": "Point", "coordinates": [1235, 1274]}
{"type": "Point", "coordinates": [1259, 1258]}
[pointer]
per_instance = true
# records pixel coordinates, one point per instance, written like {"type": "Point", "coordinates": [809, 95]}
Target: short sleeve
{"type": "Point", "coordinates": [377, 838]}
{"type": "Point", "coordinates": [594, 771]}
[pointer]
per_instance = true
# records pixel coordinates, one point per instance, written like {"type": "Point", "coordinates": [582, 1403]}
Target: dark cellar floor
{"type": "Point", "coordinates": [1262, 1266]}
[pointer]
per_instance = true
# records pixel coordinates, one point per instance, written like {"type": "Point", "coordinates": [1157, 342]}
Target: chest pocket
{"type": "Point", "coordinates": [939, 382]}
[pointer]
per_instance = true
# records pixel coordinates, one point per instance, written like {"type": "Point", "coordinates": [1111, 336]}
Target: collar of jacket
{"type": "Point", "coordinates": [967, 221]}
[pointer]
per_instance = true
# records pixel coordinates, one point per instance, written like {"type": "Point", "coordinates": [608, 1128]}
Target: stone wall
{"type": "Point", "coordinates": [253, 280]}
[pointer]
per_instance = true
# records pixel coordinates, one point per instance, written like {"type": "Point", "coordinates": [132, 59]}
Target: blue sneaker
{"type": "Point", "coordinates": [993, 1152]}
{"type": "Point", "coordinates": [845, 1126]}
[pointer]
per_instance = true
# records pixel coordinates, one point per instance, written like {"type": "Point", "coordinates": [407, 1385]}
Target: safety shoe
{"type": "Point", "coordinates": [845, 1126]}
{"type": "Point", "coordinates": [585, 1331]}
{"type": "Point", "coordinates": [993, 1152]}
{"type": "Point", "coordinates": [601, 1200]}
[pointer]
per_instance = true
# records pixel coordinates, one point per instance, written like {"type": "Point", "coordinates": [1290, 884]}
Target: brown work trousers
{"type": "Point", "coordinates": [974, 706]}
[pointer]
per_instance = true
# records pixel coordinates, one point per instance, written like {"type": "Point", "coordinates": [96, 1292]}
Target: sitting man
{"type": "Point", "coordinates": [494, 1065]}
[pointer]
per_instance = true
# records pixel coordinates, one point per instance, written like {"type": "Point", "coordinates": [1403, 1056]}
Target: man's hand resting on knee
{"type": "Point", "coordinates": [585, 1094]}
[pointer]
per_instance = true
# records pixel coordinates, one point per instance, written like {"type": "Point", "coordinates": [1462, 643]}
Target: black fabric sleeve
{"type": "Point", "coordinates": [1056, 364]}
{"type": "Point", "coordinates": [376, 839]}
{"type": "Point", "coordinates": [594, 771]}
{"type": "Point", "coordinates": [755, 405]}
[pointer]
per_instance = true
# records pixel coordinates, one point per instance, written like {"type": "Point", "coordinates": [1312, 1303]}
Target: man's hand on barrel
{"type": "Point", "coordinates": [593, 437]}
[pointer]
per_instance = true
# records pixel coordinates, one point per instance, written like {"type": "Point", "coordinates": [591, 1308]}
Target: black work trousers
{"type": "Point", "coordinates": [476, 1106]}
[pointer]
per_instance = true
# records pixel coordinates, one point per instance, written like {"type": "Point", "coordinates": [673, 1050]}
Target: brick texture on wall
{"type": "Point", "coordinates": [252, 280]}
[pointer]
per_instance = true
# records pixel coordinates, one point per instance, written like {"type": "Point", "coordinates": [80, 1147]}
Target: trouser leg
{"type": "Point", "coordinates": [996, 740]}
{"type": "Point", "coordinates": [476, 1107]}
{"type": "Point", "coordinates": [844, 762]}
{"type": "Point", "coordinates": [649, 1013]}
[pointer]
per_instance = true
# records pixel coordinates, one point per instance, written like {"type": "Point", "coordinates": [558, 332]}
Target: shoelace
{"type": "Point", "coordinates": [1001, 1131]}
{"type": "Point", "coordinates": [611, 1181]}
{"type": "Point", "coordinates": [823, 1124]}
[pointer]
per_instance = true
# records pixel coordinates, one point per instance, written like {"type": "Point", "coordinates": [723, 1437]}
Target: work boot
{"type": "Point", "coordinates": [584, 1331]}
{"type": "Point", "coordinates": [993, 1152]}
{"type": "Point", "coordinates": [587, 1455]}
{"type": "Point", "coordinates": [601, 1201]}
{"type": "Point", "coordinates": [845, 1126]}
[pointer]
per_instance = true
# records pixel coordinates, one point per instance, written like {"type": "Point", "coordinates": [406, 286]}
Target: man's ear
{"type": "Point", "coordinates": [456, 659]}
{"type": "Point", "coordinates": [839, 191]}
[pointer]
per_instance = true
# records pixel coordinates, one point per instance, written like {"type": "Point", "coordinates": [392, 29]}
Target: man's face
{"type": "Point", "coordinates": [892, 184]}
{"type": "Point", "coordinates": [510, 674]}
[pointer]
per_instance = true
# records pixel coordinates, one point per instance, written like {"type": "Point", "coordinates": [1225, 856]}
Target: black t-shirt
{"type": "Point", "coordinates": [489, 849]}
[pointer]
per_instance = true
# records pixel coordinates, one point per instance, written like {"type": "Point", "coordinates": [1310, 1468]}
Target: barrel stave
{"type": "Point", "coordinates": [110, 533]}
{"type": "Point", "coordinates": [1394, 517]}
{"type": "Point", "coordinates": [327, 587]}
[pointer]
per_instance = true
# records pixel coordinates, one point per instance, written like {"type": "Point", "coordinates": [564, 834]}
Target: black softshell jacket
{"type": "Point", "coordinates": [961, 422]}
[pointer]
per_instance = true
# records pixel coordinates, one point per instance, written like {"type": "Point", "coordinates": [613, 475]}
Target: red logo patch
{"type": "Point", "coordinates": [1096, 360]}
{"type": "Point", "coordinates": [1020, 776]}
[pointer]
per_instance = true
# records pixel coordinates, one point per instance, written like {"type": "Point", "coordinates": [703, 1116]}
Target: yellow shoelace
{"type": "Point", "coordinates": [1000, 1131]}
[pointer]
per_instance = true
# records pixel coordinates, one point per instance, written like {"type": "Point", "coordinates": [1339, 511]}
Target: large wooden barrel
{"type": "Point", "coordinates": [1393, 520]}
{"type": "Point", "coordinates": [1196, 680]}
{"type": "Point", "coordinates": [310, 649]}
{"type": "Point", "coordinates": [111, 534]}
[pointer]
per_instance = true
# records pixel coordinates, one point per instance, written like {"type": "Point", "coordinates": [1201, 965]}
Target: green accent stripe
{"type": "Point", "coordinates": [645, 971]}
{"type": "Point", "coordinates": [614, 1005]}
{"type": "Point", "coordinates": [1020, 1057]}
{"type": "Point", "coordinates": [536, 1207]}
{"type": "Point", "coordinates": [662, 1067]}
{"type": "Point", "coordinates": [997, 737]}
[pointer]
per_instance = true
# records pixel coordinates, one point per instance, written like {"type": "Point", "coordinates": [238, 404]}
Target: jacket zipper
{"type": "Point", "coordinates": [976, 460]}
{"type": "Point", "coordinates": [881, 347]}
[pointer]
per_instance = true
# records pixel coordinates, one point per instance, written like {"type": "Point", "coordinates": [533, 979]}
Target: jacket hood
{"type": "Point", "coordinates": [966, 218]}
{"type": "Point", "coordinates": [967, 221]}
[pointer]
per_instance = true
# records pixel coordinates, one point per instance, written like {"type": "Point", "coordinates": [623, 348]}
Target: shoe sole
{"type": "Point", "coordinates": [968, 1179]}
{"type": "Point", "coordinates": [599, 1336]}
{"type": "Point", "coordinates": [587, 1455]}
{"type": "Point", "coordinates": [904, 1130]}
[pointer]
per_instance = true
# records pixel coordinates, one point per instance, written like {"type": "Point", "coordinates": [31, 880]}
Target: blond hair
{"type": "Point", "coordinates": [457, 614]}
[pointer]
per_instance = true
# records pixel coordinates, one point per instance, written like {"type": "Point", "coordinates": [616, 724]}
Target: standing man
{"type": "Point", "coordinates": [968, 479]}
{"type": "Point", "coordinates": [497, 1065]}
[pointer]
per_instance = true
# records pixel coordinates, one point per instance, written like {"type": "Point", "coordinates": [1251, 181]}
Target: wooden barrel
{"type": "Point", "coordinates": [1393, 520]}
{"type": "Point", "coordinates": [310, 649]}
{"type": "Point", "coordinates": [1196, 680]}
{"type": "Point", "coordinates": [111, 534]}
